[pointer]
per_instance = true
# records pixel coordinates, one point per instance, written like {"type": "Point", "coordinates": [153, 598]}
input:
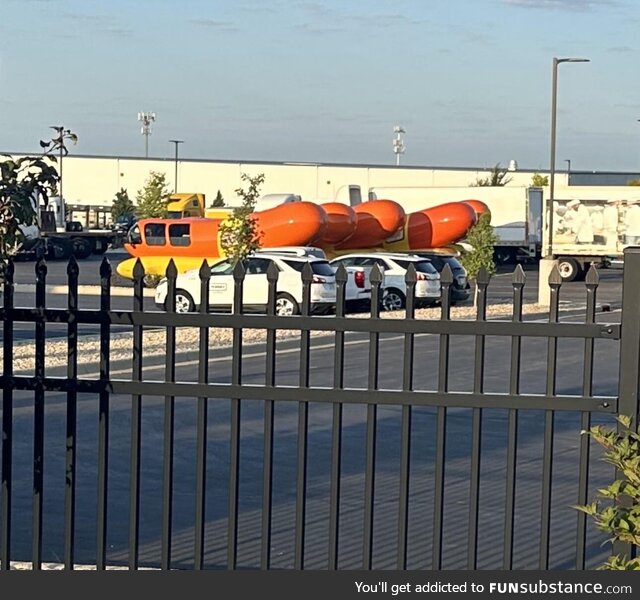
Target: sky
{"type": "Point", "coordinates": [327, 80]}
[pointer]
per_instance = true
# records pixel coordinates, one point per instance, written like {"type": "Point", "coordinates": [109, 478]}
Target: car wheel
{"type": "Point", "coordinates": [393, 300]}
{"type": "Point", "coordinates": [286, 305]}
{"type": "Point", "coordinates": [184, 302]}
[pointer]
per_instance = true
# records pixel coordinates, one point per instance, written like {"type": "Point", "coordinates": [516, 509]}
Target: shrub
{"type": "Point", "coordinates": [617, 511]}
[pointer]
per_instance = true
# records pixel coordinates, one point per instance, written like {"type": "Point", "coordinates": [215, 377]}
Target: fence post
{"type": "Point", "coordinates": [629, 352]}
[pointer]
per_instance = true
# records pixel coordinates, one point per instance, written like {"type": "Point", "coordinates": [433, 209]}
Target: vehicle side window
{"type": "Point", "coordinates": [257, 266]}
{"type": "Point", "coordinates": [134, 236]}
{"type": "Point", "coordinates": [154, 234]}
{"type": "Point", "coordinates": [298, 265]}
{"type": "Point", "coordinates": [347, 262]}
{"type": "Point", "coordinates": [224, 267]}
{"type": "Point", "coordinates": [180, 234]}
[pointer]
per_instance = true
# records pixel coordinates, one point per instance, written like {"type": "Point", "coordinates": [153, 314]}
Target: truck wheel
{"type": "Point", "coordinates": [504, 256]}
{"type": "Point", "coordinates": [81, 248]}
{"type": "Point", "coordinates": [570, 269]}
{"type": "Point", "coordinates": [59, 249]}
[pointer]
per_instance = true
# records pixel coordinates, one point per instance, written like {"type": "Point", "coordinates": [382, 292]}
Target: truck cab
{"type": "Point", "coordinates": [185, 205]}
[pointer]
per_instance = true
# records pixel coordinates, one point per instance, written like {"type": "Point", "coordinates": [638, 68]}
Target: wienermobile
{"type": "Point", "coordinates": [334, 227]}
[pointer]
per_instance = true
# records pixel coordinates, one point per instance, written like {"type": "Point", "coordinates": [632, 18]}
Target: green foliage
{"type": "Point", "coordinates": [153, 197]}
{"type": "Point", "coordinates": [239, 234]}
{"type": "Point", "coordinates": [619, 516]}
{"type": "Point", "coordinates": [218, 201]}
{"type": "Point", "coordinates": [497, 177]}
{"type": "Point", "coordinates": [538, 180]}
{"type": "Point", "coordinates": [22, 182]}
{"type": "Point", "coordinates": [482, 238]}
{"type": "Point", "coordinates": [122, 204]}
{"type": "Point", "coordinates": [633, 182]}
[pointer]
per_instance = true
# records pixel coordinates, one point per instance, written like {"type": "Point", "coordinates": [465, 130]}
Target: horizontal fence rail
{"type": "Point", "coordinates": [319, 493]}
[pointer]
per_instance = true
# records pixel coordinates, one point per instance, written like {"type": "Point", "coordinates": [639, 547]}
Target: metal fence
{"type": "Point", "coordinates": [376, 475]}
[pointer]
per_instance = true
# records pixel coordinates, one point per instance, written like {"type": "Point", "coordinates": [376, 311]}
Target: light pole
{"type": "Point", "coordinates": [175, 180]}
{"type": "Point", "coordinates": [398, 144]}
{"type": "Point", "coordinates": [552, 165]}
{"type": "Point", "coordinates": [568, 161]}
{"type": "Point", "coordinates": [146, 118]}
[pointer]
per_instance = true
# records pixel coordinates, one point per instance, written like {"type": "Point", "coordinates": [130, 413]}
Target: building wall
{"type": "Point", "coordinates": [95, 180]}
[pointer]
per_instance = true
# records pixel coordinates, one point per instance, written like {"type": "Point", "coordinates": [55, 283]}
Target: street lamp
{"type": "Point", "coordinates": [398, 144]}
{"type": "Point", "coordinates": [175, 184]}
{"type": "Point", "coordinates": [552, 165]}
{"type": "Point", "coordinates": [146, 118]}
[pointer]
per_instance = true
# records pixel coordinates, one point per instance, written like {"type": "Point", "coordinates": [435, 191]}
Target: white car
{"type": "Point", "coordinates": [256, 287]}
{"type": "Point", "coordinates": [394, 266]}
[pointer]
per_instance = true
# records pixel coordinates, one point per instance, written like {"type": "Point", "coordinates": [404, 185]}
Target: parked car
{"type": "Point", "coordinates": [294, 251]}
{"type": "Point", "coordinates": [394, 266]}
{"type": "Point", "coordinates": [255, 288]}
{"type": "Point", "coordinates": [460, 288]}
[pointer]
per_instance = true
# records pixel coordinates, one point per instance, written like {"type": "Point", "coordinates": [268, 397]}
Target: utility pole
{"type": "Point", "coordinates": [146, 118]}
{"type": "Point", "coordinates": [175, 180]}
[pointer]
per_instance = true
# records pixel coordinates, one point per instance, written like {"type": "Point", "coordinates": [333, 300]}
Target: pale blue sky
{"type": "Point", "coordinates": [326, 80]}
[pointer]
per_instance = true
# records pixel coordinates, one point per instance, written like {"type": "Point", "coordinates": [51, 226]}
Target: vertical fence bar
{"type": "Point", "coordinates": [201, 427]}
{"type": "Point", "coordinates": [38, 410]}
{"type": "Point", "coordinates": [555, 281]}
{"type": "Point", "coordinates": [585, 421]}
{"type": "Point", "coordinates": [446, 279]}
{"type": "Point", "coordinates": [136, 421]}
{"type": "Point", "coordinates": [303, 424]}
{"type": "Point", "coordinates": [7, 274]}
{"type": "Point", "coordinates": [336, 424]}
{"type": "Point", "coordinates": [372, 415]}
{"type": "Point", "coordinates": [482, 281]}
{"type": "Point", "coordinates": [103, 423]}
{"type": "Point", "coordinates": [72, 408]}
{"type": "Point", "coordinates": [234, 455]}
{"type": "Point", "coordinates": [628, 389]}
{"type": "Point", "coordinates": [169, 418]}
{"type": "Point", "coordinates": [405, 433]}
{"type": "Point", "coordinates": [270, 381]}
{"type": "Point", "coordinates": [518, 282]}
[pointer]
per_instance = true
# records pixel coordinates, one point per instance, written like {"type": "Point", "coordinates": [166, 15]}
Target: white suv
{"type": "Point", "coordinates": [394, 266]}
{"type": "Point", "coordinates": [255, 286]}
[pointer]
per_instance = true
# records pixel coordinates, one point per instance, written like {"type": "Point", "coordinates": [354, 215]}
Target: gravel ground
{"type": "Point", "coordinates": [187, 339]}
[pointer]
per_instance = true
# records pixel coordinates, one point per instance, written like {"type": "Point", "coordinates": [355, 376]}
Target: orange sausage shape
{"type": "Point", "coordinates": [376, 221]}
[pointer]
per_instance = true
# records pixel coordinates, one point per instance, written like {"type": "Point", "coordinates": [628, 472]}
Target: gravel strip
{"type": "Point", "coordinates": [187, 338]}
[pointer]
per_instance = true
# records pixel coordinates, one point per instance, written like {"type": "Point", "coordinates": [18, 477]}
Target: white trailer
{"type": "Point", "coordinates": [516, 212]}
{"type": "Point", "coordinates": [593, 225]}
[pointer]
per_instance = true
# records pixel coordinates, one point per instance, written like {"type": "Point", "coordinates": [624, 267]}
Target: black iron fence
{"type": "Point", "coordinates": [368, 442]}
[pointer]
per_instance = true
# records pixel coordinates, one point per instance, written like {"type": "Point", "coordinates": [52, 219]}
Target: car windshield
{"type": "Point", "coordinates": [421, 266]}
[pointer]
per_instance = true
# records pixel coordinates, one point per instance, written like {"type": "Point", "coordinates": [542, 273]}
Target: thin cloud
{"type": "Point", "coordinates": [222, 26]}
{"type": "Point", "coordinates": [566, 5]}
{"type": "Point", "coordinates": [621, 49]}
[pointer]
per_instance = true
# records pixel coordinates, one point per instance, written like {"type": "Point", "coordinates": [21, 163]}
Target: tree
{"type": "Point", "coordinates": [497, 177]}
{"type": "Point", "coordinates": [122, 204]}
{"type": "Point", "coordinates": [633, 182]}
{"type": "Point", "coordinates": [153, 197]}
{"type": "Point", "coordinates": [538, 180]}
{"type": "Point", "coordinates": [218, 201]}
{"type": "Point", "coordinates": [482, 238]}
{"type": "Point", "coordinates": [24, 182]}
{"type": "Point", "coordinates": [239, 234]}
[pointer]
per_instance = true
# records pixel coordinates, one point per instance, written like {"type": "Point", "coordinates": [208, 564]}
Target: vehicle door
{"type": "Point", "coordinates": [256, 286]}
{"type": "Point", "coordinates": [221, 285]}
